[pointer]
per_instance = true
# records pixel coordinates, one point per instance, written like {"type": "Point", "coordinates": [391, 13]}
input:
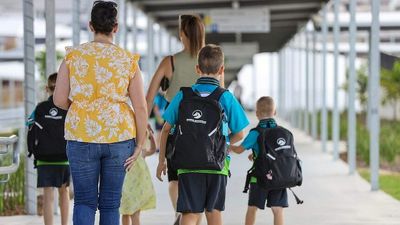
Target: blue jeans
{"type": "Point", "coordinates": [89, 163]}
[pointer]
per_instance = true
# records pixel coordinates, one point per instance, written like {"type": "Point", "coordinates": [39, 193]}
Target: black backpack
{"type": "Point", "coordinates": [199, 142]}
{"type": "Point", "coordinates": [277, 165]}
{"type": "Point", "coordinates": [46, 133]}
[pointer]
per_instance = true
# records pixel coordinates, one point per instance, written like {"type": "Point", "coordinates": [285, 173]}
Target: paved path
{"type": "Point", "coordinates": [331, 196]}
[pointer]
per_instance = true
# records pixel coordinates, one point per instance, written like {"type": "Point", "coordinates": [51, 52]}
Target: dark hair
{"type": "Point", "coordinates": [210, 59]}
{"type": "Point", "coordinates": [51, 82]}
{"type": "Point", "coordinates": [104, 16]}
{"type": "Point", "coordinates": [193, 28]}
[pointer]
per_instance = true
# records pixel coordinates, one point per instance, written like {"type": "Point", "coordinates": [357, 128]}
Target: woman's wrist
{"type": "Point", "coordinates": [161, 159]}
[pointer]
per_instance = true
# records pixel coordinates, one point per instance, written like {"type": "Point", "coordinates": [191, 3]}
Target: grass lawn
{"type": "Point", "coordinates": [389, 182]}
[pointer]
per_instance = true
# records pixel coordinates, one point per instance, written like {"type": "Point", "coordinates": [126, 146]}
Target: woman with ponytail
{"type": "Point", "coordinates": [178, 71]}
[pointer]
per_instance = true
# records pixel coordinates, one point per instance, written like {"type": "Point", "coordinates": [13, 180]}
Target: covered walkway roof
{"type": "Point", "coordinates": [285, 18]}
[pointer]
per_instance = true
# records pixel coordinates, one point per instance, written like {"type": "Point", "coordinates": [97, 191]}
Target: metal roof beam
{"type": "Point", "coordinates": [203, 7]}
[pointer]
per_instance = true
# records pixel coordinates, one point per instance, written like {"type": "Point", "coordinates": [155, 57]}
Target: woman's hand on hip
{"type": "Point", "coordinates": [131, 160]}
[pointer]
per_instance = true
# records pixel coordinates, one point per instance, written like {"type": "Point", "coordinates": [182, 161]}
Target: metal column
{"type": "Point", "coordinates": [1, 94]}
{"type": "Point", "coordinates": [76, 23]}
{"type": "Point", "coordinates": [374, 80]}
{"type": "Point", "coordinates": [280, 83]}
{"type": "Point", "coordinates": [134, 27]}
{"type": "Point", "coordinates": [307, 91]}
{"type": "Point", "coordinates": [124, 30]}
{"type": "Point", "coordinates": [335, 119]}
{"type": "Point", "coordinates": [51, 58]}
{"type": "Point", "coordinates": [29, 91]}
{"type": "Point", "coordinates": [11, 98]}
{"type": "Point", "coordinates": [292, 84]}
{"type": "Point", "coordinates": [300, 86]}
{"type": "Point", "coordinates": [324, 115]}
{"type": "Point", "coordinates": [282, 86]}
{"type": "Point", "coordinates": [122, 22]}
{"type": "Point", "coordinates": [314, 86]}
{"type": "Point", "coordinates": [271, 74]}
{"type": "Point", "coordinates": [50, 37]}
{"type": "Point", "coordinates": [160, 45]}
{"type": "Point", "coordinates": [150, 49]}
{"type": "Point", "coordinates": [169, 43]}
{"type": "Point", "coordinates": [351, 132]}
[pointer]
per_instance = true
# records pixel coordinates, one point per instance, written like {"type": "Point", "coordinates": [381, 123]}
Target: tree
{"type": "Point", "coordinates": [361, 87]}
{"type": "Point", "coordinates": [390, 82]}
{"type": "Point", "coordinates": [41, 62]}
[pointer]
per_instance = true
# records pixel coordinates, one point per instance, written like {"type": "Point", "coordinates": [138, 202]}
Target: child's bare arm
{"type": "Point", "coordinates": [236, 137]}
{"type": "Point", "coordinates": [162, 165]}
{"type": "Point", "coordinates": [236, 149]}
{"type": "Point", "coordinates": [152, 148]}
{"type": "Point", "coordinates": [250, 157]}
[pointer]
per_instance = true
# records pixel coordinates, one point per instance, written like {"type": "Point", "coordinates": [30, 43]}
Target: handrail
{"type": "Point", "coordinates": [10, 145]}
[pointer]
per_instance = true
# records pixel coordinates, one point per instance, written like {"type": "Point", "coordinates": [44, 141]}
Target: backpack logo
{"type": "Point", "coordinates": [53, 112]}
{"type": "Point", "coordinates": [197, 114]}
{"type": "Point", "coordinates": [281, 141]}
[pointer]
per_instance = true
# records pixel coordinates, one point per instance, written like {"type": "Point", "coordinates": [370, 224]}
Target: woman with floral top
{"type": "Point", "coordinates": [104, 134]}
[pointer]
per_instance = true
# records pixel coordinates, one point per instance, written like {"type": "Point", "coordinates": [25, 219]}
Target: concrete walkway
{"type": "Point", "coordinates": [331, 196]}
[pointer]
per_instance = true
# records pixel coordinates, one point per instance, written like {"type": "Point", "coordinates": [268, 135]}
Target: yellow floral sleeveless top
{"type": "Point", "coordinates": [99, 76]}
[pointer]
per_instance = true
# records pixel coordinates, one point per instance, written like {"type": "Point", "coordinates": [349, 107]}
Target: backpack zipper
{"type": "Point", "coordinates": [212, 132]}
{"type": "Point", "coordinates": [269, 155]}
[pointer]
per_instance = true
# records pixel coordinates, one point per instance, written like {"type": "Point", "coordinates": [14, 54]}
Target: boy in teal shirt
{"type": "Point", "coordinates": [201, 190]}
{"type": "Point", "coordinates": [276, 199]}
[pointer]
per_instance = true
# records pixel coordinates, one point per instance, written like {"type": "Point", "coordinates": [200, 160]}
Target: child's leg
{"type": "Point", "coordinates": [214, 217]}
{"type": "Point", "coordinates": [277, 200]}
{"type": "Point", "coordinates": [199, 220]}
{"type": "Point", "coordinates": [63, 193]}
{"type": "Point", "coordinates": [48, 199]}
{"type": "Point", "coordinates": [251, 215]}
{"type": "Point", "coordinates": [135, 218]}
{"type": "Point", "coordinates": [257, 199]}
{"type": "Point", "coordinates": [126, 220]}
{"type": "Point", "coordinates": [278, 215]}
{"type": "Point", "coordinates": [173, 192]}
{"type": "Point", "coordinates": [173, 195]}
{"type": "Point", "coordinates": [191, 219]}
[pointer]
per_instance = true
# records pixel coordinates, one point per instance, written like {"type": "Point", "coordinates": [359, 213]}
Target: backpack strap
{"type": "Point", "coordinates": [248, 178]}
{"type": "Point", "coordinates": [187, 92]}
{"type": "Point", "coordinates": [250, 172]}
{"type": "Point", "coordinates": [298, 200]}
{"type": "Point", "coordinates": [217, 93]}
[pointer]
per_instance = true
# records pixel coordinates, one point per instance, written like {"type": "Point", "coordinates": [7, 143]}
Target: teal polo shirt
{"type": "Point", "coordinates": [236, 119]}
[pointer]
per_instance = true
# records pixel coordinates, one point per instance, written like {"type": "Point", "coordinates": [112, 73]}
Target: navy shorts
{"type": "Point", "coordinates": [198, 192]}
{"type": "Point", "coordinates": [274, 198]}
{"type": "Point", "coordinates": [52, 176]}
{"type": "Point", "coordinates": [171, 172]}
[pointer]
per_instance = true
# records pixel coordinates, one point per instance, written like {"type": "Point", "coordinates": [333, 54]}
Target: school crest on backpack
{"type": "Point", "coordinates": [199, 142]}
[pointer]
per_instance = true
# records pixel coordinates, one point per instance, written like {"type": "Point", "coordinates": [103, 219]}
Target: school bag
{"type": "Point", "coordinates": [199, 141]}
{"type": "Point", "coordinates": [45, 138]}
{"type": "Point", "coordinates": [277, 165]}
